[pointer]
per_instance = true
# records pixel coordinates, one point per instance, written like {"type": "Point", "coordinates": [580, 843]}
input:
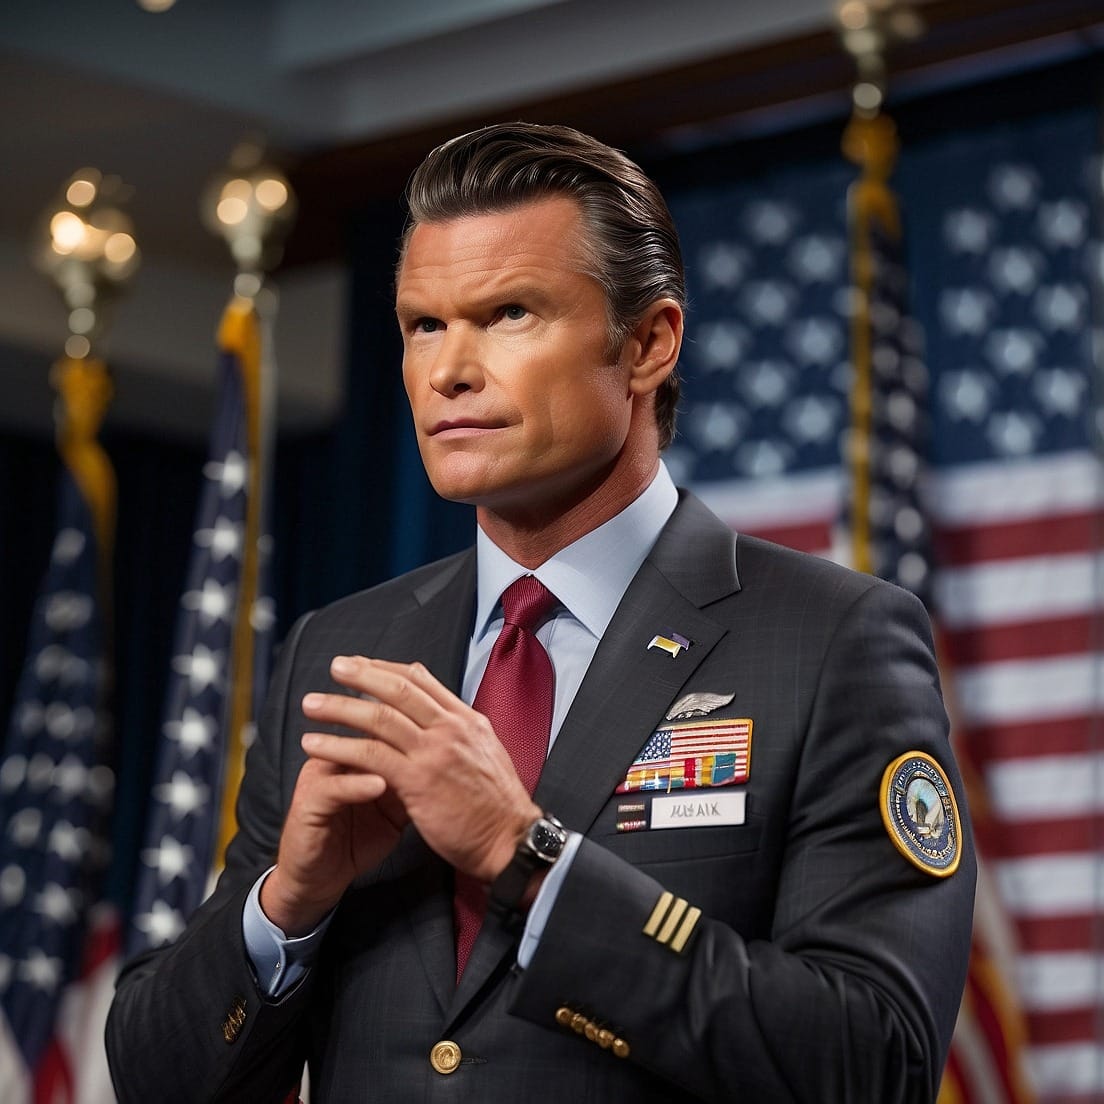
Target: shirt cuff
{"type": "Point", "coordinates": [546, 898]}
{"type": "Point", "coordinates": [278, 962]}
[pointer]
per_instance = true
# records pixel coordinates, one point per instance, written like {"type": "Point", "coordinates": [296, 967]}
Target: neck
{"type": "Point", "coordinates": [532, 536]}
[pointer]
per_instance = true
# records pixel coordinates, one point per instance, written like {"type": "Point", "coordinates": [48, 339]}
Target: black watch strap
{"type": "Point", "coordinates": [538, 850]}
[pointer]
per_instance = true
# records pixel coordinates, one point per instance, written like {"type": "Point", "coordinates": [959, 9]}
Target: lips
{"type": "Point", "coordinates": [460, 425]}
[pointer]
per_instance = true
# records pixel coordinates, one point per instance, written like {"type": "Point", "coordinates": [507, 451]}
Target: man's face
{"type": "Point", "coordinates": [516, 406]}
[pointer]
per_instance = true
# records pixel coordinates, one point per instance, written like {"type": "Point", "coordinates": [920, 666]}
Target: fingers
{"type": "Point", "coordinates": [372, 717]}
{"type": "Point", "coordinates": [333, 786]}
{"type": "Point", "coordinates": [396, 702]}
{"type": "Point", "coordinates": [407, 687]}
{"type": "Point", "coordinates": [372, 759]}
{"type": "Point", "coordinates": [420, 676]}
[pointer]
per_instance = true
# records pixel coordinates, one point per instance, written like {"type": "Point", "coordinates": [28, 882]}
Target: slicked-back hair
{"type": "Point", "coordinates": [631, 247]}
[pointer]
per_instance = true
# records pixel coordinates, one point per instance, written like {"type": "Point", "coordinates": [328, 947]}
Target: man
{"type": "Point", "coordinates": [763, 887]}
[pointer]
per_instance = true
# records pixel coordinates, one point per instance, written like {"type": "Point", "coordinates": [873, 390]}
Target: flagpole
{"type": "Point", "coordinates": [252, 207]}
{"type": "Point", "coordinates": [58, 937]}
{"type": "Point", "coordinates": [220, 639]}
{"type": "Point", "coordinates": [984, 1065]}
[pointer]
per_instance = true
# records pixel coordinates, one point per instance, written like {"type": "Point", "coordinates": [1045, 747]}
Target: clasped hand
{"type": "Point", "coordinates": [426, 757]}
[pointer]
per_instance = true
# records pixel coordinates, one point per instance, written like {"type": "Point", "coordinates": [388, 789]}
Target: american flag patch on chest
{"type": "Point", "coordinates": [692, 754]}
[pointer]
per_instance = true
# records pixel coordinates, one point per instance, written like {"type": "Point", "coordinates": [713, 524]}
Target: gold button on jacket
{"type": "Point", "coordinates": [445, 1056]}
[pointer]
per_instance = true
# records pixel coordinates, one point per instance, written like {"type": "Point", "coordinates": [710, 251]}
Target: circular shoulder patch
{"type": "Point", "coordinates": [920, 814]}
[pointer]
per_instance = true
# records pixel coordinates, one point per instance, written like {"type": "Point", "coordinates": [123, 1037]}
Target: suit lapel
{"type": "Point", "coordinates": [436, 628]}
{"type": "Point", "coordinates": [629, 685]}
{"type": "Point", "coordinates": [627, 689]}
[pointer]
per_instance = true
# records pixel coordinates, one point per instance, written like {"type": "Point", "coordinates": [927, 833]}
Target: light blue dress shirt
{"type": "Point", "coordinates": [589, 577]}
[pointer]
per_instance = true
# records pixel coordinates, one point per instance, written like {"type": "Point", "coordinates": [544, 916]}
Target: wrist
{"type": "Point", "coordinates": [516, 887]}
{"type": "Point", "coordinates": [293, 913]}
{"type": "Point", "coordinates": [508, 843]}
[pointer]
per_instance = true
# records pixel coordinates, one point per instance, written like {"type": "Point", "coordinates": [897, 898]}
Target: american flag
{"type": "Point", "coordinates": [1000, 238]}
{"type": "Point", "coordinates": [57, 940]}
{"type": "Point", "coordinates": [688, 755]}
{"type": "Point", "coordinates": [223, 636]}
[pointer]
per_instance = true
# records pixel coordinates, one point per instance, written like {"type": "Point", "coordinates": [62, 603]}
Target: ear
{"type": "Point", "coordinates": [653, 347]}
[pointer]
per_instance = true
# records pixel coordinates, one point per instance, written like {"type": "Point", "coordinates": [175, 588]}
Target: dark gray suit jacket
{"type": "Point", "coordinates": [825, 966]}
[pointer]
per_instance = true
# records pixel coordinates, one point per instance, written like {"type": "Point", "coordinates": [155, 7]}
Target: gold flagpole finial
{"type": "Point", "coordinates": [251, 206]}
{"type": "Point", "coordinates": [85, 244]}
{"type": "Point", "coordinates": [868, 30]}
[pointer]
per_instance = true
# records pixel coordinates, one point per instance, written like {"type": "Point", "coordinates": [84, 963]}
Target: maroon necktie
{"type": "Point", "coordinates": [516, 697]}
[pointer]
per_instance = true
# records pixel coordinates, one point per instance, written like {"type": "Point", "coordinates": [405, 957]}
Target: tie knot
{"type": "Point", "coordinates": [527, 602]}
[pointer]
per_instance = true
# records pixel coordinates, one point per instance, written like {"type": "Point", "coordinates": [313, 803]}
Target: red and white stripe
{"type": "Point", "coordinates": [73, 1069]}
{"type": "Point", "coordinates": [1019, 593]}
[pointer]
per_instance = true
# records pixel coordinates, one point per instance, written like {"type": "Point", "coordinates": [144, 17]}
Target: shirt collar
{"type": "Point", "coordinates": [589, 576]}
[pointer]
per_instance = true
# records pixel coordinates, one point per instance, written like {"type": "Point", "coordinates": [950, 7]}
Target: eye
{"type": "Point", "coordinates": [513, 312]}
{"type": "Point", "coordinates": [427, 325]}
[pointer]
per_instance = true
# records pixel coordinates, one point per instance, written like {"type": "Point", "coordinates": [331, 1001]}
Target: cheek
{"type": "Point", "coordinates": [408, 378]}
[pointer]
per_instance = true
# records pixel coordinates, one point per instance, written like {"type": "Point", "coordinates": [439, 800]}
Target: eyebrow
{"type": "Point", "coordinates": [411, 307]}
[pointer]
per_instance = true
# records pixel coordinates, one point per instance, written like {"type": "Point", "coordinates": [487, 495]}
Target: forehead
{"type": "Point", "coordinates": [542, 238]}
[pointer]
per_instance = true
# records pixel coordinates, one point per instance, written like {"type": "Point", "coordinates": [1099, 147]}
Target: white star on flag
{"type": "Point", "coordinates": [716, 426]}
{"type": "Point", "coordinates": [1014, 187]}
{"type": "Point", "coordinates": [722, 264]}
{"type": "Point", "coordinates": [170, 859]}
{"type": "Point", "coordinates": [183, 795]}
{"type": "Point", "coordinates": [24, 827]}
{"type": "Point", "coordinates": [57, 904]}
{"type": "Point", "coordinates": [967, 230]}
{"type": "Point", "coordinates": [817, 258]}
{"type": "Point", "coordinates": [213, 603]}
{"type": "Point", "coordinates": [722, 344]}
{"type": "Point", "coordinates": [1061, 307]}
{"type": "Point", "coordinates": [68, 610]}
{"type": "Point", "coordinates": [769, 302]}
{"type": "Point", "coordinates": [1060, 391]}
{"type": "Point", "coordinates": [263, 615]}
{"type": "Point", "coordinates": [230, 474]}
{"type": "Point", "coordinates": [12, 772]}
{"type": "Point", "coordinates": [224, 539]}
{"type": "Point", "coordinates": [40, 970]}
{"type": "Point", "coordinates": [966, 394]}
{"type": "Point", "coordinates": [194, 732]}
{"type": "Point", "coordinates": [1013, 350]}
{"type": "Point", "coordinates": [50, 661]}
{"type": "Point", "coordinates": [1063, 223]}
{"type": "Point", "coordinates": [769, 221]}
{"type": "Point", "coordinates": [70, 777]}
{"type": "Point", "coordinates": [966, 310]}
{"type": "Point", "coordinates": [67, 842]}
{"type": "Point", "coordinates": [162, 924]}
{"type": "Point", "coordinates": [202, 668]}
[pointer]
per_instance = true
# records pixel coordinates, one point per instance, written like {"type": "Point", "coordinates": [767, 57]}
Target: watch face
{"type": "Point", "coordinates": [547, 840]}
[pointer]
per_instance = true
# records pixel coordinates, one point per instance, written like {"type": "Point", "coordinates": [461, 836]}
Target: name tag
{"type": "Point", "coordinates": [688, 810]}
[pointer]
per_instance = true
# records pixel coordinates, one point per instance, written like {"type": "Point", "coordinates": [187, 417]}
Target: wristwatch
{"type": "Point", "coordinates": [539, 848]}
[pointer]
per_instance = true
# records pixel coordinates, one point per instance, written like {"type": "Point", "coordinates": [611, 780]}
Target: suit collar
{"type": "Point", "coordinates": [591, 574]}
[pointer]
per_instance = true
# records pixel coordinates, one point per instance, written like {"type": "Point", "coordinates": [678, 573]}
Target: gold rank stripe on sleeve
{"type": "Point", "coordinates": [672, 922]}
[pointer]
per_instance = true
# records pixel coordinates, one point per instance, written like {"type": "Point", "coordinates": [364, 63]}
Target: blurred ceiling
{"type": "Point", "coordinates": [352, 93]}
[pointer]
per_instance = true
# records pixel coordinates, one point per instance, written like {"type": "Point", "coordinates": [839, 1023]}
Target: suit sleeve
{"type": "Point", "coordinates": [188, 1022]}
{"type": "Point", "coordinates": [854, 995]}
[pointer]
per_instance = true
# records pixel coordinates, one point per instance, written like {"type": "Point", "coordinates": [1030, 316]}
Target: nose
{"type": "Point", "coordinates": [456, 367]}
